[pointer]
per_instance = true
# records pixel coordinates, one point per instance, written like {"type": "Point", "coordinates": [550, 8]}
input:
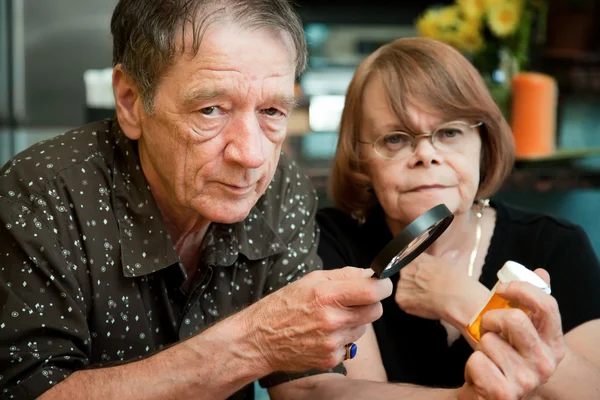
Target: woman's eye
{"type": "Point", "coordinates": [395, 138]}
{"type": "Point", "coordinates": [450, 133]}
{"type": "Point", "coordinates": [272, 112]}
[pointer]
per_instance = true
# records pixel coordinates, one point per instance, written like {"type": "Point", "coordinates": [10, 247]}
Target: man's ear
{"type": "Point", "coordinates": [128, 102]}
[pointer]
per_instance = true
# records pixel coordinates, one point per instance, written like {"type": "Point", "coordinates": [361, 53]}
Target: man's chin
{"type": "Point", "coordinates": [227, 213]}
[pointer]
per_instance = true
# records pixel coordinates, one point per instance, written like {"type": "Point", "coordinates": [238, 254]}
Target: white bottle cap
{"type": "Point", "coordinates": [512, 271]}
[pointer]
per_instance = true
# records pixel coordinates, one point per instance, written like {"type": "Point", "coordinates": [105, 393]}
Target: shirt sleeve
{"type": "Point", "coordinates": [298, 229]}
{"type": "Point", "coordinates": [574, 277]}
{"type": "Point", "coordinates": [44, 336]}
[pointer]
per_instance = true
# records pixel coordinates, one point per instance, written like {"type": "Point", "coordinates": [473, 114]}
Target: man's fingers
{"type": "Point", "coordinates": [349, 336]}
{"type": "Point", "coordinates": [361, 315]}
{"type": "Point", "coordinates": [356, 333]}
{"type": "Point", "coordinates": [516, 328]}
{"type": "Point", "coordinates": [485, 376]}
{"type": "Point", "coordinates": [543, 307]}
{"type": "Point", "coordinates": [504, 356]}
{"type": "Point", "coordinates": [357, 292]}
{"type": "Point", "coordinates": [347, 273]}
{"type": "Point", "coordinates": [542, 273]}
{"type": "Point", "coordinates": [528, 295]}
{"type": "Point", "coordinates": [525, 373]}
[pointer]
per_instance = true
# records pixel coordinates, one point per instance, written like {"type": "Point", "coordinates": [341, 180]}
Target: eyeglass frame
{"type": "Point", "coordinates": [415, 138]}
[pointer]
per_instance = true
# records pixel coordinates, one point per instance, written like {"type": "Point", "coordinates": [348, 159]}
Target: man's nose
{"type": "Point", "coordinates": [245, 142]}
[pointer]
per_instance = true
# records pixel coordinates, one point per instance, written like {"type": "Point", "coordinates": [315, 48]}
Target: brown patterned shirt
{"type": "Point", "coordinates": [90, 277]}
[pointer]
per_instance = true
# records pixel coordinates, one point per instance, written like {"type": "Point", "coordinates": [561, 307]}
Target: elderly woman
{"type": "Point", "coordinates": [419, 128]}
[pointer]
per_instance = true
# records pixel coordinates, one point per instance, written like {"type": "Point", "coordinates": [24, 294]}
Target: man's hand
{"type": "Point", "coordinates": [517, 352]}
{"type": "Point", "coordinates": [306, 324]}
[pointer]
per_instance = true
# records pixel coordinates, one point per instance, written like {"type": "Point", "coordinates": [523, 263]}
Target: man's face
{"type": "Point", "coordinates": [213, 141]}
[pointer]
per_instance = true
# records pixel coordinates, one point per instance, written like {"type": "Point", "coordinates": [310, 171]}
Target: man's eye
{"type": "Point", "coordinates": [272, 112]}
{"type": "Point", "coordinates": [208, 110]}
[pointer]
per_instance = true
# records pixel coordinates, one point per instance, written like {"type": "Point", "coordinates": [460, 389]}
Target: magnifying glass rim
{"type": "Point", "coordinates": [422, 239]}
{"type": "Point", "coordinates": [438, 218]}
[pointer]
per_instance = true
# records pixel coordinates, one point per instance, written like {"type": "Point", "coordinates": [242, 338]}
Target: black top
{"type": "Point", "coordinates": [415, 350]}
{"type": "Point", "coordinates": [89, 275]}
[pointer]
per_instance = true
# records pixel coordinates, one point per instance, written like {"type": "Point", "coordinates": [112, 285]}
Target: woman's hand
{"type": "Point", "coordinates": [436, 288]}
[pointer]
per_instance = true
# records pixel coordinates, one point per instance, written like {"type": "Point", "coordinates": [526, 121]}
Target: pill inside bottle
{"type": "Point", "coordinates": [510, 272]}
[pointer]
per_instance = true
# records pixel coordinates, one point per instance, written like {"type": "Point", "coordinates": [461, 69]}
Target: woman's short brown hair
{"type": "Point", "coordinates": [434, 78]}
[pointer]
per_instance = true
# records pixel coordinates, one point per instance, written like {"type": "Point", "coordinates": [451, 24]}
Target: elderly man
{"type": "Point", "coordinates": [158, 255]}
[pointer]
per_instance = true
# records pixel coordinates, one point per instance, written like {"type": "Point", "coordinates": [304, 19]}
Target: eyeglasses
{"type": "Point", "coordinates": [449, 137]}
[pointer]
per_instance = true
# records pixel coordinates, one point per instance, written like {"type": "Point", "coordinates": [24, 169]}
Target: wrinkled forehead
{"type": "Point", "coordinates": [227, 68]}
{"type": "Point", "coordinates": [191, 42]}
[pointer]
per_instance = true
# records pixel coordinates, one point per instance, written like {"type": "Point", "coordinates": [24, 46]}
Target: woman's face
{"type": "Point", "coordinates": [422, 177]}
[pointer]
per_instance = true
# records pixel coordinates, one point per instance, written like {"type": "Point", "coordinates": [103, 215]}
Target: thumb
{"type": "Point", "coordinates": [348, 273]}
{"type": "Point", "coordinates": [542, 273]}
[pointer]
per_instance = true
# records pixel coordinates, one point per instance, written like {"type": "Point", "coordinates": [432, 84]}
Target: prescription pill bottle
{"type": "Point", "coordinates": [510, 272]}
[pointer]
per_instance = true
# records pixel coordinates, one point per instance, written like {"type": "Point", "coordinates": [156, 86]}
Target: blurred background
{"type": "Point", "coordinates": [55, 59]}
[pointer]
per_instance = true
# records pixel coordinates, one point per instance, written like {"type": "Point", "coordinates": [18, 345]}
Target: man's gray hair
{"type": "Point", "coordinates": [148, 35]}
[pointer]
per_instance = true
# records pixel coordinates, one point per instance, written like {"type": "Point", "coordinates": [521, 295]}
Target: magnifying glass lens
{"type": "Point", "coordinates": [412, 241]}
{"type": "Point", "coordinates": [411, 246]}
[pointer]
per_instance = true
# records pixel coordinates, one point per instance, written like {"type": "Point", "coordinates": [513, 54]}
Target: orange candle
{"type": "Point", "coordinates": [533, 114]}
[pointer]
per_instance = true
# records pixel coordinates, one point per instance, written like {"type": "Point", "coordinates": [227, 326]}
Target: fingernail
{"type": "Point", "coordinates": [502, 287]}
{"type": "Point", "coordinates": [367, 273]}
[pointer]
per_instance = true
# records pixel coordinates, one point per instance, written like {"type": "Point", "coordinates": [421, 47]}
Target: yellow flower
{"type": "Point", "coordinates": [435, 22]}
{"type": "Point", "coordinates": [469, 37]}
{"type": "Point", "coordinates": [474, 23]}
{"type": "Point", "coordinates": [427, 25]}
{"type": "Point", "coordinates": [493, 3]}
{"type": "Point", "coordinates": [472, 9]}
{"type": "Point", "coordinates": [446, 25]}
{"type": "Point", "coordinates": [465, 37]}
{"type": "Point", "coordinates": [503, 19]}
{"type": "Point", "coordinates": [449, 16]}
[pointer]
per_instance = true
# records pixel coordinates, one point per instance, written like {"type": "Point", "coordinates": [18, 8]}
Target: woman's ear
{"type": "Point", "coordinates": [128, 102]}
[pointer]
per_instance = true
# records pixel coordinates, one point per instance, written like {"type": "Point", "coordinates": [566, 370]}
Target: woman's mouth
{"type": "Point", "coordinates": [427, 188]}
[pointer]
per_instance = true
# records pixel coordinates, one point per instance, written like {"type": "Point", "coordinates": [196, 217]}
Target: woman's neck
{"type": "Point", "coordinates": [457, 239]}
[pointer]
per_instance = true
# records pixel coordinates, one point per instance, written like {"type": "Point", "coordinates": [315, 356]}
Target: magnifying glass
{"type": "Point", "coordinates": [412, 241]}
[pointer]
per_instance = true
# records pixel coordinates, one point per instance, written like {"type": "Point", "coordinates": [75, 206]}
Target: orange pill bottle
{"type": "Point", "coordinates": [510, 272]}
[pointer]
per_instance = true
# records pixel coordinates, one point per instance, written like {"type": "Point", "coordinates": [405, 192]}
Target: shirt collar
{"type": "Point", "coordinates": [146, 245]}
{"type": "Point", "coordinates": [253, 237]}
